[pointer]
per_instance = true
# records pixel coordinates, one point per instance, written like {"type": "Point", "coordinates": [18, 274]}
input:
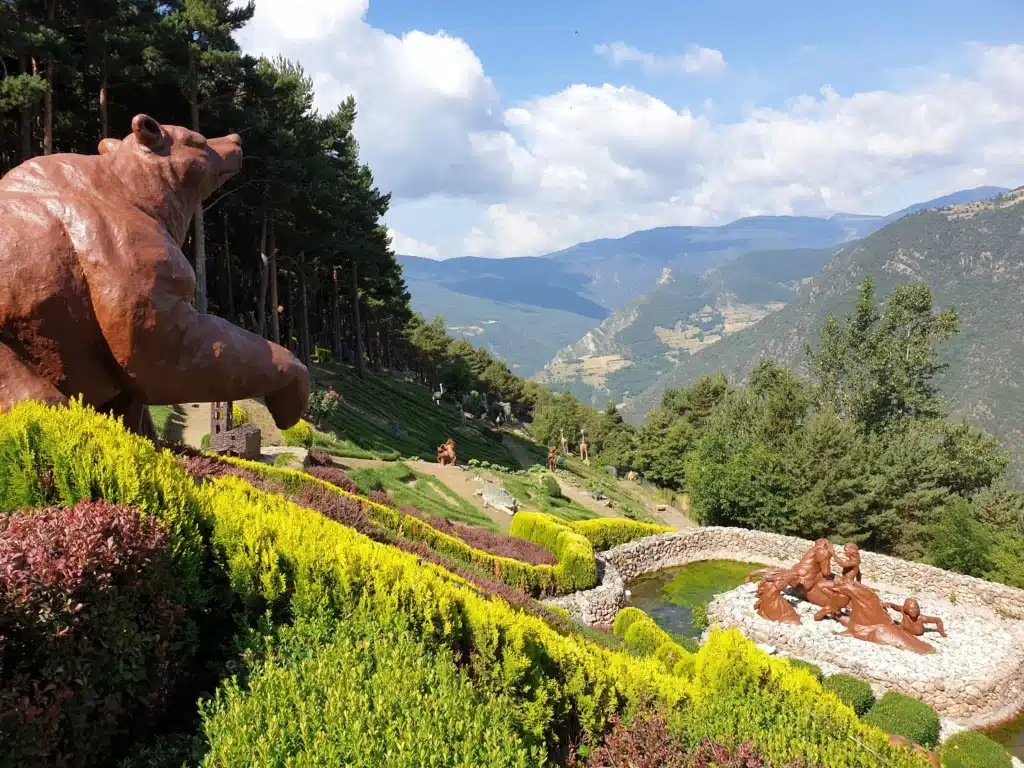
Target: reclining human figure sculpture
{"type": "Point", "coordinates": [96, 294]}
{"type": "Point", "coordinates": [812, 580]}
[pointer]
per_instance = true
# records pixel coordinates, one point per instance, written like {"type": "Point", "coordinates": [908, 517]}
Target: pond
{"type": "Point", "coordinates": [670, 596]}
{"type": "Point", "coordinates": [1011, 736]}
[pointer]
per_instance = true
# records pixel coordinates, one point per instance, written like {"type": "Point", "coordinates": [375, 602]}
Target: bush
{"type": "Point", "coordinates": [91, 624]}
{"type": "Point", "coordinates": [853, 692]}
{"type": "Point", "coordinates": [699, 617]}
{"type": "Point", "coordinates": [299, 435]}
{"type": "Point", "coordinates": [903, 716]}
{"type": "Point", "coordinates": [814, 669]}
{"type": "Point", "coordinates": [607, 532]}
{"type": "Point", "coordinates": [324, 405]}
{"type": "Point", "coordinates": [646, 742]}
{"type": "Point", "coordinates": [645, 637]}
{"type": "Point", "coordinates": [576, 567]}
{"type": "Point", "coordinates": [670, 655]}
{"type": "Point", "coordinates": [970, 749]}
{"type": "Point", "coordinates": [359, 694]}
{"type": "Point", "coordinates": [625, 618]}
{"type": "Point", "coordinates": [551, 487]}
{"type": "Point", "coordinates": [317, 457]}
{"type": "Point", "coordinates": [239, 415]}
{"type": "Point", "coordinates": [336, 477]}
{"type": "Point", "coordinates": [204, 441]}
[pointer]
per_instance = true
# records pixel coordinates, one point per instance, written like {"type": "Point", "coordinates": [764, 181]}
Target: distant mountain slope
{"type": "Point", "coordinates": [957, 198]}
{"type": "Point", "coordinates": [973, 258]}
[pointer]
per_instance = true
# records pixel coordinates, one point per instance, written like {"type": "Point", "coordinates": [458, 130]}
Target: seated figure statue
{"type": "Point", "coordinates": [912, 620]}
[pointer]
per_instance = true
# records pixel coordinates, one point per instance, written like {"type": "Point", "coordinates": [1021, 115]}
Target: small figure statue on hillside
{"type": "Point", "coordinates": [911, 619]}
{"type": "Point", "coordinates": [584, 448]}
{"type": "Point", "coordinates": [631, 476]}
{"type": "Point", "coordinates": [563, 444]}
{"type": "Point", "coordinates": [552, 459]}
{"type": "Point", "coordinates": [446, 453]}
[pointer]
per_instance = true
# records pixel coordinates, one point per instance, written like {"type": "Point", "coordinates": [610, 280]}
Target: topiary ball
{"type": "Point", "coordinates": [970, 749]}
{"type": "Point", "coordinates": [903, 716]}
{"type": "Point", "coordinates": [814, 669]}
{"type": "Point", "coordinates": [853, 692]}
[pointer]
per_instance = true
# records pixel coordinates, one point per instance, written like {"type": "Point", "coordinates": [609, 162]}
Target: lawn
{"type": "Point", "coordinates": [426, 493]}
{"type": "Point", "coordinates": [388, 418]}
{"type": "Point", "coordinates": [530, 494]}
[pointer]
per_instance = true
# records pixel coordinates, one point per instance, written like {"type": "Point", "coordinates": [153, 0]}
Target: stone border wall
{"type": "Point", "coordinates": [617, 566]}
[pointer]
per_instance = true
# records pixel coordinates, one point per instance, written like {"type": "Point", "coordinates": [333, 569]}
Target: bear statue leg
{"type": "Point", "coordinates": [18, 382]}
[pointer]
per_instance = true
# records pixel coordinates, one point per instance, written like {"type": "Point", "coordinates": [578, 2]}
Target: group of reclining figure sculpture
{"type": "Point", "coordinates": [869, 619]}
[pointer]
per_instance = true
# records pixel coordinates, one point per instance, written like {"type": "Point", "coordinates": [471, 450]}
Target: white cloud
{"type": "Point", "coordinates": [696, 59]}
{"type": "Point", "coordinates": [410, 246]}
{"type": "Point", "coordinates": [600, 160]}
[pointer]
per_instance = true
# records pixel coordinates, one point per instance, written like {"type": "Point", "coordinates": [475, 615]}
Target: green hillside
{"type": "Point", "coordinates": [973, 259]}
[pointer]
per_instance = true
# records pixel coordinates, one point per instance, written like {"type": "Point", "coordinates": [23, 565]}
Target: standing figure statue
{"type": "Point", "coordinates": [562, 442]}
{"type": "Point", "coordinates": [552, 459]}
{"type": "Point", "coordinates": [584, 448]}
{"type": "Point", "coordinates": [850, 566]}
{"type": "Point", "coordinates": [446, 453]}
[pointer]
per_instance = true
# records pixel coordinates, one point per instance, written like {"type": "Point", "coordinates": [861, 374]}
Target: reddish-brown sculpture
{"type": "Point", "coordinates": [446, 453]}
{"type": "Point", "coordinates": [811, 579]}
{"type": "Point", "coordinates": [911, 619]}
{"type": "Point", "coordinates": [772, 605]}
{"type": "Point", "coordinates": [552, 459]}
{"type": "Point", "coordinates": [851, 565]}
{"type": "Point", "coordinates": [96, 294]}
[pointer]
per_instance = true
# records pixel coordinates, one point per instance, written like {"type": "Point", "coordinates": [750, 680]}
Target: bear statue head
{"type": "Point", "coordinates": [169, 169]}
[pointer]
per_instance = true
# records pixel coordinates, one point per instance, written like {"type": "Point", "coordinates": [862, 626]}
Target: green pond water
{"type": "Point", "coordinates": [669, 596]}
{"type": "Point", "coordinates": [1011, 736]}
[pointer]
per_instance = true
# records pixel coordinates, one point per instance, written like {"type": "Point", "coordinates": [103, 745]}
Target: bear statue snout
{"type": "Point", "coordinates": [229, 150]}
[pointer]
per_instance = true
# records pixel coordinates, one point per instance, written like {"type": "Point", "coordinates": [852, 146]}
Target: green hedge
{"type": "Point", "coordinates": [814, 669]}
{"type": "Point", "coordinates": [624, 620]}
{"type": "Point", "coordinates": [299, 435]}
{"type": "Point", "coordinates": [903, 716]}
{"type": "Point", "coordinates": [607, 532]}
{"type": "Point", "coordinates": [576, 567]}
{"type": "Point", "coordinates": [551, 487]}
{"type": "Point", "coordinates": [970, 749]}
{"type": "Point", "coordinates": [358, 693]}
{"type": "Point", "coordinates": [853, 692]}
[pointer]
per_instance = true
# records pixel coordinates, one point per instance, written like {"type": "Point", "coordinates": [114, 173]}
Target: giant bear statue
{"type": "Point", "coordinates": [96, 294]}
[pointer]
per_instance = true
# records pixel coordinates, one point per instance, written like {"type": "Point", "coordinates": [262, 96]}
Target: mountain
{"type": "Point", "coordinates": [684, 314]}
{"type": "Point", "coordinates": [957, 198]}
{"type": "Point", "coordinates": [972, 256]}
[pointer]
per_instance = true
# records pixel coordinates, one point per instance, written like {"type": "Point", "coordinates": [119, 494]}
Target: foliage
{"type": "Point", "coordinates": [359, 693]}
{"type": "Point", "coordinates": [487, 541]}
{"type": "Point", "coordinates": [646, 742]}
{"type": "Point", "coordinates": [324, 405]}
{"type": "Point", "coordinates": [970, 749]}
{"type": "Point", "coordinates": [239, 415]}
{"type": "Point", "coordinates": [851, 691]}
{"type": "Point", "coordinates": [299, 435]}
{"type": "Point", "coordinates": [91, 632]}
{"type": "Point", "coordinates": [814, 669]}
{"type": "Point", "coordinates": [960, 542]}
{"type": "Point", "coordinates": [903, 716]}
{"type": "Point", "coordinates": [576, 567]}
{"type": "Point", "coordinates": [551, 487]}
{"type": "Point", "coordinates": [607, 532]}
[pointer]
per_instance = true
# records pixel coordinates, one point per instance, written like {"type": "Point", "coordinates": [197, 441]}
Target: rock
{"type": "Point", "coordinates": [478, 492]}
{"type": "Point", "coordinates": [769, 649]}
{"type": "Point", "coordinates": [662, 507]}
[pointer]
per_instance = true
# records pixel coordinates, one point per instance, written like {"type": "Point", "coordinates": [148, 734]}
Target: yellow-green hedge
{"type": "Point", "coordinates": [536, 579]}
{"type": "Point", "coordinates": [294, 562]}
{"type": "Point", "coordinates": [576, 567]}
{"type": "Point", "coordinates": [642, 635]}
{"type": "Point", "coordinates": [607, 532]}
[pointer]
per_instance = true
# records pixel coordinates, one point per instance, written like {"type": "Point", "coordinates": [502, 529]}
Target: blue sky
{"type": "Point", "coordinates": [514, 133]}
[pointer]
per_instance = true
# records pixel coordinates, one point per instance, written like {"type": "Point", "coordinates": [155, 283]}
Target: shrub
{"type": "Point", "coordinates": [335, 477]}
{"type": "Point", "coordinates": [551, 487]}
{"type": "Point", "coordinates": [970, 749]}
{"type": "Point", "coordinates": [91, 624]}
{"type": "Point", "coordinates": [283, 460]}
{"type": "Point", "coordinates": [685, 666]}
{"type": "Point", "coordinates": [239, 415]}
{"type": "Point", "coordinates": [814, 669]}
{"type": "Point", "coordinates": [359, 694]}
{"type": "Point", "coordinates": [903, 716]}
{"type": "Point", "coordinates": [576, 567]}
{"type": "Point", "coordinates": [625, 618]}
{"type": "Point", "coordinates": [486, 541]}
{"type": "Point", "coordinates": [300, 435]}
{"type": "Point", "coordinates": [204, 441]}
{"type": "Point", "coordinates": [646, 742]}
{"type": "Point", "coordinates": [324, 405]}
{"type": "Point", "coordinates": [607, 532]}
{"type": "Point", "coordinates": [669, 655]}
{"type": "Point", "coordinates": [699, 616]}
{"type": "Point", "coordinates": [853, 692]}
{"type": "Point", "coordinates": [62, 455]}
{"type": "Point", "coordinates": [645, 637]}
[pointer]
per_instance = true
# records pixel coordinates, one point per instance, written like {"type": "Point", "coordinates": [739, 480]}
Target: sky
{"type": "Point", "coordinates": [518, 129]}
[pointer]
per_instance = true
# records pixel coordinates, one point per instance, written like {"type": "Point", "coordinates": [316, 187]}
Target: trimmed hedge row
{"type": "Point", "coordinates": [853, 692]}
{"type": "Point", "coordinates": [970, 749]}
{"type": "Point", "coordinates": [641, 635]}
{"type": "Point", "coordinates": [576, 567]}
{"type": "Point", "coordinates": [607, 532]}
{"type": "Point", "coordinates": [571, 572]}
{"type": "Point", "coordinates": [903, 716]}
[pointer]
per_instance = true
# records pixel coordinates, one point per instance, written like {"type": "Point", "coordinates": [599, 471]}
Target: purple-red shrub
{"type": "Point", "coordinates": [335, 477]}
{"type": "Point", "coordinates": [381, 497]}
{"type": "Point", "coordinates": [317, 457]}
{"type": "Point", "coordinates": [647, 742]}
{"type": "Point", "coordinates": [496, 543]}
{"type": "Point", "coordinates": [91, 632]}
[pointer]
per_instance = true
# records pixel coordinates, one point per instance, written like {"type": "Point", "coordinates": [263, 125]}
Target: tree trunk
{"type": "Point", "coordinates": [304, 339]}
{"type": "Point", "coordinates": [275, 320]}
{"type": "Point", "coordinates": [356, 325]}
{"type": "Point", "coordinates": [335, 316]}
{"type": "Point", "coordinates": [51, 15]}
{"type": "Point", "coordinates": [261, 296]}
{"type": "Point", "coordinates": [200, 238]}
{"type": "Point", "coordinates": [26, 117]}
{"type": "Point", "coordinates": [104, 94]}
{"type": "Point", "coordinates": [227, 270]}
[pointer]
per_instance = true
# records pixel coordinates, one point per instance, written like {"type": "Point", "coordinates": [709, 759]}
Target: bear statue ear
{"type": "Point", "coordinates": [109, 145]}
{"type": "Point", "coordinates": [147, 132]}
